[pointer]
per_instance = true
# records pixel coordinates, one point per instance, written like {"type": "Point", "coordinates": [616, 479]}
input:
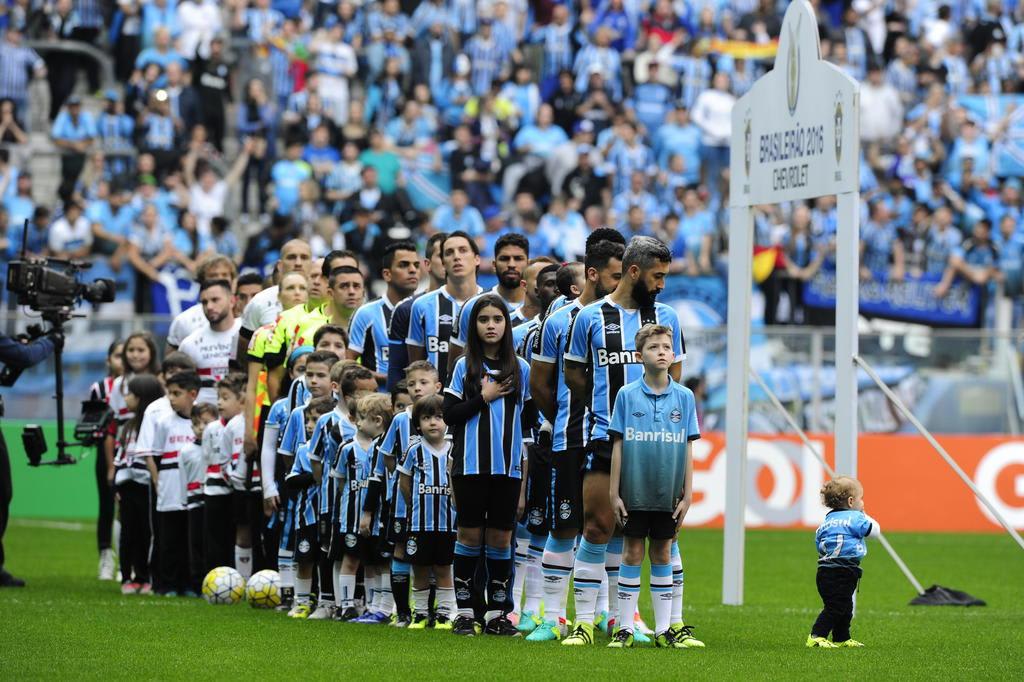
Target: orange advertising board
{"type": "Point", "coordinates": [907, 485]}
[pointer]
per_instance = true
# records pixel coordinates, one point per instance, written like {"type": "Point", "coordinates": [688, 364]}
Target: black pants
{"type": "Point", "coordinates": [71, 165]}
{"type": "Point", "coordinates": [196, 554]}
{"type": "Point", "coordinates": [836, 585]}
{"type": "Point", "coordinates": [6, 492]}
{"type": "Point", "coordinates": [105, 491]}
{"type": "Point", "coordinates": [173, 538]}
{"type": "Point", "coordinates": [136, 531]}
{"type": "Point", "coordinates": [219, 525]}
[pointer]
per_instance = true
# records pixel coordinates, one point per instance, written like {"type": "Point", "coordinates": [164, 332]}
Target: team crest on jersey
{"type": "Point", "coordinates": [350, 540]}
{"type": "Point", "coordinates": [536, 516]}
{"type": "Point", "coordinates": [411, 546]}
{"type": "Point", "coordinates": [304, 546]}
{"type": "Point", "coordinates": [564, 510]}
{"type": "Point", "coordinates": [612, 328]}
{"type": "Point", "coordinates": [675, 416]}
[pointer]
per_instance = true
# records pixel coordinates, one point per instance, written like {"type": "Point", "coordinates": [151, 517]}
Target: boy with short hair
{"type": "Point", "coordinates": [351, 468]}
{"type": "Point", "coordinates": [426, 489]}
{"type": "Point", "coordinates": [421, 381]}
{"type": "Point", "coordinates": [651, 483]}
{"type": "Point", "coordinates": [246, 493]}
{"type": "Point", "coordinates": [193, 469]}
{"type": "Point", "coordinates": [305, 490]}
{"type": "Point", "coordinates": [218, 513]}
{"type": "Point", "coordinates": [400, 399]}
{"type": "Point", "coordinates": [171, 431]}
{"type": "Point", "coordinates": [840, 542]}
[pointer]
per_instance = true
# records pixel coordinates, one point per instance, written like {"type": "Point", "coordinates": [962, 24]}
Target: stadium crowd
{"type": "Point", "coordinates": [239, 125]}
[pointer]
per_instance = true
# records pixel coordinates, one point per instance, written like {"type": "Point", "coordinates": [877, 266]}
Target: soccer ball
{"type": "Point", "coordinates": [223, 585]}
{"type": "Point", "coordinates": [264, 590]}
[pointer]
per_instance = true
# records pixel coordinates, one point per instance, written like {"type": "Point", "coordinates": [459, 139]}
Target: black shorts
{"type": "Point", "coordinates": [307, 544]}
{"type": "Point", "coordinates": [395, 531]}
{"type": "Point", "coordinates": [566, 499]}
{"type": "Point", "coordinates": [366, 550]}
{"type": "Point", "coordinates": [599, 456]}
{"type": "Point", "coordinates": [486, 501]}
{"type": "Point", "coordinates": [430, 548]}
{"type": "Point", "coordinates": [538, 490]}
{"type": "Point", "coordinates": [656, 525]}
{"type": "Point", "coordinates": [244, 504]}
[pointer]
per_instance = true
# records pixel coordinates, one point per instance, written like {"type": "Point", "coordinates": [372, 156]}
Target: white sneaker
{"type": "Point", "coordinates": [322, 612]}
{"type": "Point", "coordinates": [107, 564]}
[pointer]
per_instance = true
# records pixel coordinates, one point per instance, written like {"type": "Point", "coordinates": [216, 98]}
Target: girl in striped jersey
{"type": "Point", "coordinates": [352, 471]}
{"type": "Point", "coordinates": [100, 391]}
{"type": "Point", "coordinates": [132, 483]}
{"type": "Point", "coordinates": [488, 407]}
{"type": "Point", "coordinates": [426, 488]}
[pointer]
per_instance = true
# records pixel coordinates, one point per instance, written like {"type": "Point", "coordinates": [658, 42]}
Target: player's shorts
{"type": "Point", "coordinates": [599, 456]}
{"type": "Point", "coordinates": [566, 498]}
{"type": "Point", "coordinates": [395, 529]}
{"type": "Point", "coordinates": [425, 548]}
{"type": "Point", "coordinates": [655, 525]}
{"type": "Point", "coordinates": [286, 522]}
{"type": "Point", "coordinates": [486, 501]}
{"type": "Point", "coordinates": [307, 544]}
{"type": "Point", "coordinates": [538, 489]}
{"type": "Point", "coordinates": [243, 505]}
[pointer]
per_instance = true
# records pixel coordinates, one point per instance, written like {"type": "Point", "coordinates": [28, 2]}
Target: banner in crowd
{"type": "Point", "coordinates": [1008, 149]}
{"type": "Point", "coordinates": [907, 486]}
{"type": "Point", "coordinates": [910, 300]}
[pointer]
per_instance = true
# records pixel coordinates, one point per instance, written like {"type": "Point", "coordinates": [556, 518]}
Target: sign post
{"type": "Point", "coordinates": [794, 137]}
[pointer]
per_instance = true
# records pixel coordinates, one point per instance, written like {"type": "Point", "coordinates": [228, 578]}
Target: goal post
{"type": "Point", "coordinates": [794, 137]}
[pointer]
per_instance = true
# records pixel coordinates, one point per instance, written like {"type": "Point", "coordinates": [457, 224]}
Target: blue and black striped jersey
{"type": "Point", "coordinates": [603, 337]}
{"type": "Point", "coordinates": [307, 501]}
{"type": "Point", "coordinates": [569, 429]}
{"type": "Point", "coordinates": [430, 502]}
{"type": "Point", "coordinates": [432, 327]}
{"type": "Point", "coordinates": [351, 470]}
{"type": "Point", "coordinates": [396, 441]}
{"type": "Point", "coordinates": [368, 334]}
{"type": "Point", "coordinates": [332, 429]}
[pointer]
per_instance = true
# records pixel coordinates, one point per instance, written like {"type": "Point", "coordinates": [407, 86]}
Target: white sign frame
{"type": "Point", "coordinates": [801, 145]}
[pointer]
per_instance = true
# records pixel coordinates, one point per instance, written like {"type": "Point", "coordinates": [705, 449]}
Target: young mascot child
{"type": "Point", "coordinates": [840, 542]}
{"type": "Point", "coordinates": [426, 488]}
{"type": "Point", "coordinates": [651, 483]}
{"type": "Point", "coordinates": [246, 494]}
{"type": "Point", "coordinates": [352, 471]}
{"type": "Point", "coordinates": [193, 471]}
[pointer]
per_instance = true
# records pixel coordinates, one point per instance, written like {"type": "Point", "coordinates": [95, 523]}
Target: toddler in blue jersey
{"type": "Point", "coordinates": [840, 540]}
{"type": "Point", "coordinates": [653, 423]}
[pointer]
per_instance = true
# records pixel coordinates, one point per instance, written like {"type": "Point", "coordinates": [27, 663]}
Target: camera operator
{"type": "Point", "coordinates": [19, 354]}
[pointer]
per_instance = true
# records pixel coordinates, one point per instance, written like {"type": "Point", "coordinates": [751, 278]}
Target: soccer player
{"type": "Point", "coordinates": [840, 542]}
{"type": "Point", "coordinates": [305, 490]}
{"type": "Point", "coordinates": [212, 269]}
{"type": "Point", "coordinates": [490, 386]}
{"type": "Point", "coordinates": [212, 346]}
{"type": "Point", "coordinates": [651, 483]}
{"type": "Point", "coordinates": [398, 330]}
{"type": "Point", "coordinates": [193, 472]}
{"type": "Point", "coordinates": [541, 283]}
{"type": "Point", "coordinates": [602, 356]}
{"type": "Point", "coordinates": [433, 317]}
{"type": "Point", "coordinates": [351, 468]}
{"type": "Point", "coordinates": [246, 287]}
{"type": "Point", "coordinates": [368, 331]}
{"type": "Point", "coordinates": [426, 489]}
{"type": "Point", "coordinates": [421, 381]}
{"type": "Point", "coordinates": [566, 410]}
{"type": "Point", "coordinates": [162, 443]}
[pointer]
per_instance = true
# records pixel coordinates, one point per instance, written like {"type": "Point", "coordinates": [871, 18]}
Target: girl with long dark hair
{"type": "Point", "coordinates": [488, 409]}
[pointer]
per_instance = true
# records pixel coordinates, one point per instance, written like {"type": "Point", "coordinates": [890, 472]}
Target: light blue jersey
{"type": "Point", "coordinates": [569, 429]}
{"type": "Point", "coordinates": [432, 325]}
{"type": "Point", "coordinates": [306, 502]}
{"type": "Point", "coordinates": [655, 429]}
{"type": "Point", "coordinates": [368, 334]}
{"type": "Point", "coordinates": [397, 440]}
{"type": "Point", "coordinates": [840, 537]}
{"type": "Point", "coordinates": [352, 472]}
{"type": "Point", "coordinates": [431, 508]}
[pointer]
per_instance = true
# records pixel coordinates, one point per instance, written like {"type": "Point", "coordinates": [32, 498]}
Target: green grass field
{"type": "Point", "coordinates": [66, 624]}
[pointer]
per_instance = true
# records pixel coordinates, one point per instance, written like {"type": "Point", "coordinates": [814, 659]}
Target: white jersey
{"type": "Point", "coordinates": [185, 322]}
{"type": "Point", "coordinates": [145, 442]}
{"type": "Point", "coordinates": [192, 473]}
{"type": "Point", "coordinates": [262, 309]}
{"type": "Point", "coordinates": [116, 399]}
{"type": "Point", "coordinates": [128, 465]}
{"type": "Point", "coordinates": [212, 352]}
{"type": "Point", "coordinates": [216, 460]}
{"type": "Point", "coordinates": [173, 433]}
{"type": "Point", "coordinates": [233, 439]}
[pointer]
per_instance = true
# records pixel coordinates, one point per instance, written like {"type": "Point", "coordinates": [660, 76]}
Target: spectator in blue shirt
{"type": "Point", "coordinates": [287, 176]}
{"type": "Point", "coordinates": [73, 132]}
{"type": "Point", "coordinates": [614, 17]}
{"type": "Point", "coordinates": [458, 215]}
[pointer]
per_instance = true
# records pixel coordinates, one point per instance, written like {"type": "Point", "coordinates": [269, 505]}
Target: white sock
{"type": "Point", "coordinates": [602, 594]}
{"type": "Point", "coordinates": [677, 585]}
{"type": "Point", "coordinates": [587, 574]}
{"type": "Point", "coordinates": [287, 570]}
{"type": "Point", "coordinates": [556, 565]}
{"type": "Point", "coordinates": [446, 602]}
{"type": "Point", "coordinates": [387, 600]}
{"type": "Point", "coordinates": [627, 595]}
{"type": "Point", "coordinates": [534, 591]}
{"type": "Point", "coordinates": [522, 558]}
{"type": "Point", "coordinates": [371, 578]}
{"type": "Point", "coordinates": [612, 559]}
{"type": "Point", "coordinates": [303, 586]}
{"type": "Point", "coordinates": [420, 599]}
{"type": "Point", "coordinates": [346, 590]}
{"type": "Point", "coordinates": [243, 561]}
{"type": "Point", "coordinates": [336, 579]}
{"type": "Point", "coordinates": [661, 596]}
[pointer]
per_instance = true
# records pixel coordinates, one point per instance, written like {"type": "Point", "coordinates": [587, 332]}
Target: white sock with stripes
{"type": "Point", "coordinates": [243, 561]}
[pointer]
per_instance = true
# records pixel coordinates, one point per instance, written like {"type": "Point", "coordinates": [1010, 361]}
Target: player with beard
{"type": "Point", "coordinates": [566, 411]}
{"type": "Point", "coordinates": [368, 331]}
{"type": "Point", "coordinates": [212, 347]}
{"type": "Point", "coordinates": [511, 256]}
{"type": "Point", "coordinates": [212, 269]}
{"type": "Point", "coordinates": [602, 357]}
